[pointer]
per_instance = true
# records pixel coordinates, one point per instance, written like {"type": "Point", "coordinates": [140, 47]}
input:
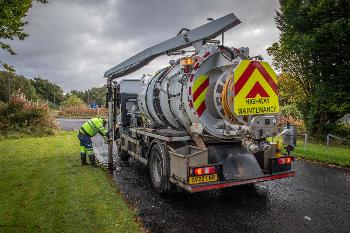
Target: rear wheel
{"type": "Point", "coordinates": [159, 168]}
{"type": "Point", "coordinates": [123, 155]}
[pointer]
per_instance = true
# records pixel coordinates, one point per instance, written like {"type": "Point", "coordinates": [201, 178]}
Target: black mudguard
{"type": "Point", "coordinates": [237, 162]}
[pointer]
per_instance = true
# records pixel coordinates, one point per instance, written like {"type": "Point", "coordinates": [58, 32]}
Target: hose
{"type": "Point", "coordinates": [183, 29]}
{"type": "Point", "coordinates": [226, 101]}
{"type": "Point", "coordinates": [227, 49]}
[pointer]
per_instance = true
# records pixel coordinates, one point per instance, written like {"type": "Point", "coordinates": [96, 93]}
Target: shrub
{"type": "Point", "coordinates": [72, 100]}
{"type": "Point", "coordinates": [22, 117]}
{"type": "Point", "coordinates": [82, 111]}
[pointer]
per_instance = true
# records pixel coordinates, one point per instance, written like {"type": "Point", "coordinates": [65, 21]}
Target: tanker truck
{"type": "Point", "coordinates": [202, 122]}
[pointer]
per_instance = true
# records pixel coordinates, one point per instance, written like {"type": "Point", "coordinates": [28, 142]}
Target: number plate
{"type": "Point", "coordinates": [203, 179]}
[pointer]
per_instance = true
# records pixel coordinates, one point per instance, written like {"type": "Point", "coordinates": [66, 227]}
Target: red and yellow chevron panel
{"type": "Point", "coordinates": [199, 90]}
{"type": "Point", "coordinates": [255, 88]}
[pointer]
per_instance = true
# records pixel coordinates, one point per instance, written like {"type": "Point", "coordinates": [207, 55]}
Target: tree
{"type": "Point", "coordinates": [72, 100]}
{"type": "Point", "coordinates": [47, 90]}
{"type": "Point", "coordinates": [94, 95]}
{"type": "Point", "coordinates": [290, 91]}
{"type": "Point", "coordinates": [314, 51]}
{"type": "Point", "coordinates": [12, 13]}
{"type": "Point", "coordinates": [11, 83]}
{"type": "Point", "coordinates": [79, 94]}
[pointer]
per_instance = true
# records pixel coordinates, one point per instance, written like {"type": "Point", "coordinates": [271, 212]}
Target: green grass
{"type": "Point", "coordinates": [333, 155]}
{"type": "Point", "coordinates": [43, 188]}
{"type": "Point", "coordinates": [336, 155]}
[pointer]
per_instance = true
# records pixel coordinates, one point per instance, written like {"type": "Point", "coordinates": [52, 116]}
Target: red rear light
{"type": "Point", "coordinates": [199, 171]}
{"type": "Point", "coordinates": [286, 160]}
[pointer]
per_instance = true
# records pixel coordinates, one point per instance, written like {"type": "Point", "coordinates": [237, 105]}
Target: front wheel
{"type": "Point", "coordinates": [159, 169]}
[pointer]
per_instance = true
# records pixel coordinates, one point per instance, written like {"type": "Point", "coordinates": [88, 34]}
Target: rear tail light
{"type": "Point", "coordinates": [199, 171]}
{"type": "Point", "coordinates": [281, 164]}
{"type": "Point", "coordinates": [285, 160]}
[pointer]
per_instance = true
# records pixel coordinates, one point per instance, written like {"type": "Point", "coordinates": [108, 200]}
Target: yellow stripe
{"type": "Point", "coordinates": [241, 67]}
{"type": "Point", "coordinates": [198, 82]}
{"type": "Point", "coordinates": [256, 76]}
{"type": "Point", "coordinates": [200, 99]}
{"type": "Point", "coordinates": [269, 70]}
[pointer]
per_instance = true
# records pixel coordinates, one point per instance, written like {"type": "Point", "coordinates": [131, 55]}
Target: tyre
{"type": "Point", "coordinates": [123, 155]}
{"type": "Point", "coordinates": [159, 168]}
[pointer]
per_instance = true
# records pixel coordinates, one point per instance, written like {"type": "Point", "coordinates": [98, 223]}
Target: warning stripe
{"type": "Point", "coordinates": [269, 70]}
{"type": "Point", "coordinates": [198, 82]}
{"type": "Point", "coordinates": [267, 77]}
{"type": "Point", "coordinates": [244, 77]}
{"type": "Point", "coordinates": [257, 89]}
{"type": "Point", "coordinates": [201, 109]}
{"type": "Point", "coordinates": [248, 72]}
{"type": "Point", "coordinates": [200, 99]}
{"type": "Point", "coordinates": [200, 89]}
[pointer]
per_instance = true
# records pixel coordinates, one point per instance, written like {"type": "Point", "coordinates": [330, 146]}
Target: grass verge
{"type": "Point", "coordinates": [45, 189]}
{"type": "Point", "coordinates": [335, 155]}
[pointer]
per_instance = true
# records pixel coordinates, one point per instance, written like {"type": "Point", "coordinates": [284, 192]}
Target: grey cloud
{"type": "Point", "coordinates": [72, 43]}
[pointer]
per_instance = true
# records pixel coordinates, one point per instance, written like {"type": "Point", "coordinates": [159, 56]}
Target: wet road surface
{"type": "Point", "coordinates": [316, 200]}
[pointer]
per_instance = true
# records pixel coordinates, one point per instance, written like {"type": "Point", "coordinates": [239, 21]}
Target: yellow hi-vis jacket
{"type": "Point", "coordinates": [93, 126]}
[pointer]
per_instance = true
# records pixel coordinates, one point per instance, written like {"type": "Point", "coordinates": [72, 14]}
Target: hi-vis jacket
{"type": "Point", "coordinates": [93, 126]}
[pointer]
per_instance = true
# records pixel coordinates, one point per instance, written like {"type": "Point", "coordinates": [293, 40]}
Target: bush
{"type": "Point", "coordinates": [82, 111]}
{"type": "Point", "coordinates": [72, 100]}
{"type": "Point", "coordinates": [22, 117]}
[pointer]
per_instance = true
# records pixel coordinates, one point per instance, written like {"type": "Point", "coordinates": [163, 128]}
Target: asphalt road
{"type": "Point", "coordinates": [316, 200]}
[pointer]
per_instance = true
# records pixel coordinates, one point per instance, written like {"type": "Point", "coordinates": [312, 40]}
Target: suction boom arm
{"type": "Point", "coordinates": [205, 32]}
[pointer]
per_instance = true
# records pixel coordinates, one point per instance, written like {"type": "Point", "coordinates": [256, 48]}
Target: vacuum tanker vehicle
{"type": "Point", "coordinates": [201, 123]}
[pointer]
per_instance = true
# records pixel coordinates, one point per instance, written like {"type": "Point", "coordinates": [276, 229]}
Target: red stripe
{"type": "Point", "coordinates": [201, 109]}
{"type": "Point", "coordinates": [200, 89]}
{"type": "Point", "coordinates": [267, 77]}
{"type": "Point", "coordinates": [240, 182]}
{"type": "Point", "coordinates": [244, 77]}
{"type": "Point", "coordinates": [196, 66]}
{"type": "Point", "coordinates": [191, 78]}
{"type": "Point", "coordinates": [257, 89]}
{"type": "Point", "coordinates": [189, 91]}
{"type": "Point", "coordinates": [248, 72]}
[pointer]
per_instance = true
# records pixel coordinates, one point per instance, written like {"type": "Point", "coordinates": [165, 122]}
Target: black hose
{"type": "Point", "coordinates": [183, 29]}
{"type": "Point", "coordinates": [227, 49]}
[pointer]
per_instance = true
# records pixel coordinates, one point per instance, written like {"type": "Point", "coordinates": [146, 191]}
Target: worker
{"type": "Point", "coordinates": [88, 130]}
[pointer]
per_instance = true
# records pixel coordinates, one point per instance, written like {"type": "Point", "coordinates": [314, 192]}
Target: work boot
{"type": "Point", "coordinates": [83, 159]}
{"type": "Point", "coordinates": [92, 160]}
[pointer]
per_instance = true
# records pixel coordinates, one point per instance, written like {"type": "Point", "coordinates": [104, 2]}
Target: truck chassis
{"type": "Point", "coordinates": [179, 155]}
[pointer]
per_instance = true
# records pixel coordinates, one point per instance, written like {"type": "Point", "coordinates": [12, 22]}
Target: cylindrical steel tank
{"type": "Point", "coordinates": [177, 98]}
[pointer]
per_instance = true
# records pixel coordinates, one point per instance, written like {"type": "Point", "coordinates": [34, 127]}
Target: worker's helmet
{"type": "Point", "coordinates": [104, 122]}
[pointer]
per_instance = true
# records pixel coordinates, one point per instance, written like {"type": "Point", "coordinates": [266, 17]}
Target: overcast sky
{"type": "Point", "coordinates": [73, 42]}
